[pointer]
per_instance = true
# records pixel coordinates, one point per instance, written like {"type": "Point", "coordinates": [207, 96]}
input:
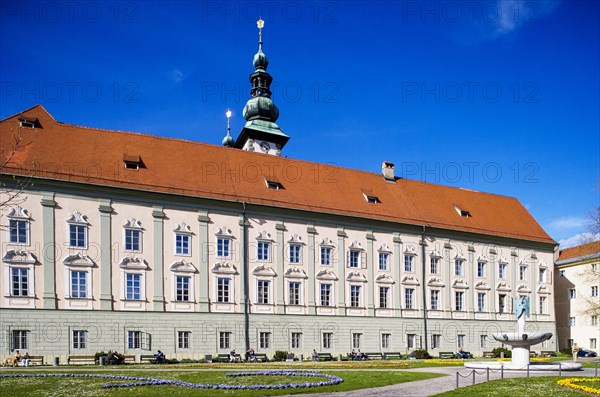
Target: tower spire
{"type": "Point", "coordinates": [228, 140]}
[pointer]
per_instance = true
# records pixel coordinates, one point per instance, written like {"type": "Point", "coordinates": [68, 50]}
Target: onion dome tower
{"type": "Point", "coordinates": [228, 140]}
{"type": "Point", "coordinates": [260, 133]}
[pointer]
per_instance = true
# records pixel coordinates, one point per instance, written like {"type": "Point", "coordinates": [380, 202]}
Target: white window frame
{"type": "Point", "coordinates": [331, 294]}
{"type": "Point", "coordinates": [434, 265]}
{"type": "Point", "coordinates": [459, 267]}
{"type": "Point", "coordinates": [354, 257]}
{"type": "Point", "coordinates": [225, 339]}
{"type": "Point", "coordinates": [523, 272]}
{"type": "Point", "coordinates": [572, 293]}
{"type": "Point", "coordinates": [185, 248]}
{"type": "Point", "coordinates": [503, 303]}
{"type": "Point", "coordinates": [481, 302]}
{"type": "Point", "coordinates": [183, 340]}
{"type": "Point", "coordinates": [264, 340]}
{"type": "Point", "coordinates": [224, 244]}
{"type": "Point", "coordinates": [295, 257]}
{"type": "Point", "coordinates": [543, 275]}
{"type": "Point", "coordinates": [436, 340]}
{"type": "Point", "coordinates": [130, 265]}
{"type": "Point", "coordinates": [19, 339]}
{"type": "Point", "coordinates": [183, 268]}
{"type": "Point", "coordinates": [481, 269]}
{"type": "Point", "coordinates": [384, 261]}
{"type": "Point", "coordinates": [298, 301]}
{"type": "Point", "coordinates": [594, 291]}
{"type": "Point", "coordinates": [261, 252]}
{"type": "Point", "coordinates": [572, 321]}
{"type": "Point", "coordinates": [74, 228]}
{"type": "Point", "coordinates": [384, 303]}
{"type": "Point", "coordinates": [357, 340]}
{"type": "Point", "coordinates": [483, 341]}
{"type": "Point", "coordinates": [18, 214]}
{"type": "Point", "coordinates": [410, 303]}
{"type": "Point", "coordinates": [353, 300]}
{"type": "Point", "coordinates": [411, 341]}
{"type": "Point", "coordinates": [386, 341]}
{"type": "Point", "coordinates": [79, 339]}
{"type": "Point", "coordinates": [260, 296]}
{"type": "Point", "coordinates": [326, 260]}
{"type": "Point", "coordinates": [502, 268]}
{"type": "Point", "coordinates": [296, 340]}
{"type": "Point", "coordinates": [230, 289]}
{"type": "Point", "coordinates": [460, 341]}
{"type": "Point", "coordinates": [28, 272]}
{"type": "Point", "coordinates": [409, 262]}
{"type": "Point", "coordinates": [327, 340]}
{"type": "Point", "coordinates": [459, 301]}
{"type": "Point", "coordinates": [78, 263]}
{"type": "Point", "coordinates": [134, 226]}
{"type": "Point", "coordinates": [434, 299]}
{"type": "Point", "coordinates": [543, 304]}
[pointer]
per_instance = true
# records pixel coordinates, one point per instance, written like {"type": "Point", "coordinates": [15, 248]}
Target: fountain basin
{"type": "Point", "coordinates": [524, 339]}
{"type": "Point", "coordinates": [511, 366]}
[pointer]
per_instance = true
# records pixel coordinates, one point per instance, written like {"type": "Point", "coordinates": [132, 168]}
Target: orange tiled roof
{"type": "Point", "coordinates": [89, 155]}
{"type": "Point", "coordinates": [579, 251]}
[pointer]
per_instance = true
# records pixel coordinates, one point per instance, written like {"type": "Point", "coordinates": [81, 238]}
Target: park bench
{"type": "Point", "coordinates": [548, 353]}
{"type": "Point", "coordinates": [325, 357]}
{"type": "Point", "coordinates": [489, 355]}
{"type": "Point", "coordinates": [374, 356]}
{"type": "Point", "coordinates": [224, 358]}
{"type": "Point", "coordinates": [392, 356]}
{"type": "Point", "coordinates": [533, 354]}
{"type": "Point", "coordinates": [151, 358]}
{"type": "Point", "coordinates": [262, 357]}
{"type": "Point", "coordinates": [129, 358]}
{"type": "Point", "coordinates": [447, 355]}
{"type": "Point", "coordinates": [38, 360]}
{"type": "Point", "coordinates": [91, 359]}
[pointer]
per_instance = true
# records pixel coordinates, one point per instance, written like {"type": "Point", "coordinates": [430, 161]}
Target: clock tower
{"type": "Point", "coordinates": [260, 133]}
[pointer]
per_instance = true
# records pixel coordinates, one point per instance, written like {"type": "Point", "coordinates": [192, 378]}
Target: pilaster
{"type": "Point", "coordinates": [158, 258]}
{"type": "Point", "coordinates": [106, 297]}
{"type": "Point", "coordinates": [341, 258]}
{"type": "Point", "coordinates": [370, 275]}
{"type": "Point", "coordinates": [310, 267]}
{"type": "Point", "coordinates": [204, 251]}
{"type": "Point", "coordinates": [49, 252]}
{"type": "Point", "coordinates": [280, 267]}
{"type": "Point", "coordinates": [397, 262]}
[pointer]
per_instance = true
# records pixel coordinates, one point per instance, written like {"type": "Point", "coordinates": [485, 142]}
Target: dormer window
{"type": "Point", "coordinates": [372, 200]}
{"type": "Point", "coordinates": [274, 185]}
{"type": "Point", "coordinates": [28, 123]}
{"type": "Point", "coordinates": [370, 197]}
{"type": "Point", "coordinates": [132, 162]}
{"type": "Point", "coordinates": [463, 213]}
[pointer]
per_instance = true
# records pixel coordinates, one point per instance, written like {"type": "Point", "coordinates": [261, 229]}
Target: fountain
{"type": "Point", "coordinates": [521, 342]}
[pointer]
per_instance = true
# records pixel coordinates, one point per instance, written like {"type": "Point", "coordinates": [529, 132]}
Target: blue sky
{"type": "Point", "coordinates": [498, 96]}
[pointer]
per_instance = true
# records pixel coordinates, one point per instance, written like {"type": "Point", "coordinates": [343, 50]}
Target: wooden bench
{"type": "Point", "coordinates": [548, 353]}
{"type": "Point", "coordinates": [392, 356]}
{"type": "Point", "coordinates": [489, 355]}
{"type": "Point", "coordinates": [325, 357]}
{"type": "Point", "coordinates": [129, 358]}
{"type": "Point", "coordinates": [374, 356]}
{"type": "Point", "coordinates": [262, 357]}
{"type": "Point", "coordinates": [224, 358]}
{"type": "Point", "coordinates": [533, 354]}
{"type": "Point", "coordinates": [147, 357]}
{"type": "Point", "coordinates": [447, 355]}
{"type": "Point", "coordinates": [37, 360]}
{"type": "Point", "coordinates": [81, 359]}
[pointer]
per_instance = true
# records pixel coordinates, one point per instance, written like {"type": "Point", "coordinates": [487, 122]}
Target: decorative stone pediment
{"type": "Point", "coordinates": [356, 277]}
{"type": "Point", "coordinates": [460, 284]}
{"type": "Point", "coordinates": [459, 256]}
{"type": "Point", "coordinates": [295, 272]}
{"type": "Point", "coordinates": [384, 248]}
{"type": "Point", "coordinates": [543, 290]}
{"type": "Point", "coordinates": [409, 280]}
{"type": "Point", "coordinates": [224, 268]}
{"type": "Point", "coordinates": [435, 254]}
{"type": "Point", "coordinates": [133, 224]}
{"type": "Point", "coordinates": [326, 275]}
{"type": "Point", "coordinates": [503, 287]}
{"type": "Point", "coordinates": [77, 217]}
{"type": "Point", "coordinates": [183, 267]}
{"type": "Point", "coordinates": [264, 236]}
{"type": "Point", "coordinates": [132, 263]}
{"type": "Point", "coordinates": [435, 282]}
{"type": "Point", "coordinates": [384, 279]}
{"type": "Point", "coordinates": [263, 270]}
{"type": "Point", "coordinates": [78, 260]}
{"type": "Point", "coordinates": [327, 242]}
{"type": "Point", "coordinates": [224, 231]}
{"type": "Point", "coordinates": [355, 246]}
{"type": "Point", "coordinates": [183, 228]}
{"type": "Point", "coordinates": [19, 256]}
{"type": "Point", "coordinates": [410, 250]}
{"type": "Point", "coordinates": [295, 239]}
{"type": "Point", "coordinates": [503, 260]}
{"type": "Point", "coordinates": [522, 288]}
{"type": "Point", "coordinates": [482, 258]}
{"type": "Point", "coordinates": [18, 212]}
{"type": "Point", "coordinates": [543, 265]}
{"type": "Point", "coordinates": [482, 285]}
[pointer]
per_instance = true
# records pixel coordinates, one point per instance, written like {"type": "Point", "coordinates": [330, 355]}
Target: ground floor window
{"type": "Point", "coordinates": [19, 340]}
{"type": "Point", "coordinates": [264, 340]}
{"type": "Point", "coordinates": [386, 341]}
{"type": "Point", "coordinates": [483, 341]}
{"type": "Point", "coordinates": [134, 339]}
{"type": "Point", "coordinates": [435, 341]}
{"type": "Point", "coordinates": [327, 340]}
{"type": "Point", "coordinates": [183, 339]}
{"type": "Point", "coordinates": [356, 340]}
{"type": "Point", "coordinates": [296, 340]}
{"type": "Point", "coordinates": [460, 341]}
{"type": "Point", "coordinates": [79, 339]}
{"type": "Point", "coordinates": [410, 341]}
{"type": "Point", "coordinates": [224, 340]}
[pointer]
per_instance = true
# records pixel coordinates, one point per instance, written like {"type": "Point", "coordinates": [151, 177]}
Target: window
{"type": "Point", "coordinates": [543, 301]}
{"type": "Point", "coordinates": [134, 339]}
{"type": "Point", "coordinates": [435, 341]}
{"type": "Point", "coordinates": [19, 340]}
{"type": "Point", "coordinates": [327, 340]}
{"type": "Point", "coordinates": [183, 339]}
{"type": "Point", "coordinates": [460, 341]}
{"type": "Point", "coordinates": [594, 320]}
{"type": "Point", "coordinates": [410, 341]}
{"type": "Point", "coordinates": [409, 263]}
{"type": "Point", "coordinates": [296, 340]}
{"type": "Point", "coordinates": [434, 300]}
{"type": "Point", "coordinates": [594, 267]}
{"type": "Point", "coordinates": [562, 273]}
{"type": "Point", "coordinates": [223, 247]}
{"type": "Point", "coordinates": [355, 296]}
{"type": "Point", "coordinates": [77, 235]}
{"type": "Point", "coordinates": [481, 301]}
{"type": "Point", "coordinates": [18, 231]}
{"type": "Point", "coordinates": [523, 272]}
{"type": "Point", "coordinates": [483, 341]}
{"type": "Point", "coordinates": [79, 339]}
{"type": "Point", "coordinates": [19, 281]}
{"type": "Point", "coordinates": [274, 185]}
{"type": "Point", "coordinates": [481, 269]}
{"type": "Point", "coordinates": [459, 265]}
{"type": "Point", "coordinates": [182, 244]}
{"type": "Point", "coordinates": [78, 284]}
{"type": "Point", "coordinates": [224, 340]}
{"type": "Point", "coordinates": [133, 240]}
{"type": "Point", "coordinates": [133, 288]}
{"type": "Point", "coordinates": [434, 266]}
{"type": "Point", "coordinates": [295, 253]}
{"type": "Point", "coordinates": [264, 340]}
{"type": "Point", "coordinates": [223, 290]}
{"type": "Point", "coordinates": [372, 199]}
{"type": "Point", "coordinates": [543, 276]}
{"type": "Point", "coordinates": [459, 298]}
{"type": "Point", "coordinates": [502, 308]}
{"type": "Point", "coordinates": [592, 343]}
{"type": "Point", "coordinates": [384, 293]}
{"type": "Point", "coordinates": [294, 297]}
{"type": "Point", "coordinates": [409, 295]}
{"type": "Point", "coordinates": [263, 251]}
{"type": "Point", "coordinates": [594, 290]}
{"type": "Point", "coordinates": [263, 292]}
{"type": "Point", "coordinates": [501, 270]}
{"type": "Point", "coordinates": [572, 293]}
{"type": "Point", "coordinates": [384, 261]}
{"type": "Point", "coordinates": [354, 259]}
{"type": "Point", "coordinates": [386, 340]}
{"type": "Point", "coordinates": [325, 294]}
{"type": "Point", "coordinates": [571, 321]}
{"type": "Point", "coordinates": [182, 288]}
{"type": "Point", "coordinates": [326, 255]}
{"type": "Point", "coordinates": [356, 340]}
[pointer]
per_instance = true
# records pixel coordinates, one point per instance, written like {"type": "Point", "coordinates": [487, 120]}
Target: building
{"type": "Point", "coordinates": [577, 274]}
{"type": "Point", "coordinates": [133, 242]}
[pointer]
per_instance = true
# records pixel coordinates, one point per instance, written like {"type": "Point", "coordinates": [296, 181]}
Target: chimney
{"type": "Point", "coordinates": [387, 169]}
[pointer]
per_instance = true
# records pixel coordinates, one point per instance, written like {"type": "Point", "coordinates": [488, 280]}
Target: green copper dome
{"type": "Point", "coordinates": [260, 107]}
{"type": "Point", "coordinates": [228, 140]}
{"type": "Point", "coordinates": [260, 60]}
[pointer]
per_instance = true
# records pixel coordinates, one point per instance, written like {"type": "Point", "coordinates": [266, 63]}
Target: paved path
{"type": "Point", "coordinates": [430, 387]}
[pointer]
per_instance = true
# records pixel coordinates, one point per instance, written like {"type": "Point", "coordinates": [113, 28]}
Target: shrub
{"type": "Point", "coordinates": [280, 355]}
{"type": "Point", "coordinates": [421, 354]}
{"type": "Point", "coordinates": [498, 350]}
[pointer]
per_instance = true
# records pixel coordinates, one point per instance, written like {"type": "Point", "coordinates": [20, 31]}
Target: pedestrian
{"type": "Point", "coordinates": [575, 352]}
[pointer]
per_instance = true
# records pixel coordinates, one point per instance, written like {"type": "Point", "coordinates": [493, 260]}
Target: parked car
{"type": "Point", "coordinates": [463, 354]}
{"type": "Point", "coordinates": [586, 353]}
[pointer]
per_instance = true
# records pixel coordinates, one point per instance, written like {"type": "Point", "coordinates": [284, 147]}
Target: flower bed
{"type": "Point", "coordinates": [133, 381]}
{"type": "Point", "coordinates": [573, 384]}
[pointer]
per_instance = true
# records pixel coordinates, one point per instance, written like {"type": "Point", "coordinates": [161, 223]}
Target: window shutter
{"type": "Point", "coordinates": [363, 260]}
{"type": "Point", "coordinates": [146, 341]}
{"type": "Point", "coordinates": [348, 259]}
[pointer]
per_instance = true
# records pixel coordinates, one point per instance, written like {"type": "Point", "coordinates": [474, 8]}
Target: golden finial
{"type": "Point", "coordinates": [228, 114]}
{"type": "Point", "coordinates": [261, 24]}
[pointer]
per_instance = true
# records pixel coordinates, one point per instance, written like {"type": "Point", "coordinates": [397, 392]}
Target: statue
{"type": "Point", "coordinates": [521, 311]}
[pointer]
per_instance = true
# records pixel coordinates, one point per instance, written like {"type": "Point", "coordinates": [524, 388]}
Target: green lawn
{"type": "Point", "coordinates": [70, 387]}
{"type": "Point", "coordinates": [530, 387]}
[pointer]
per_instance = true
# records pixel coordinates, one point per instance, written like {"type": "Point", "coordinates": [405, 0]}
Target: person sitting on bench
{"type": "Point", "coordinates": [159, 358]}
{"type": "Point", "coordinates": [251, 355]}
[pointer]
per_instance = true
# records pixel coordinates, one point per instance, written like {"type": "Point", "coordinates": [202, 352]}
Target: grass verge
{"type": "Point", "coordinates": [530, 387]}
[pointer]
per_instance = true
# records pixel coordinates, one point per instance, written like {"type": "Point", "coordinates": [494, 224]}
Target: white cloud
{"type": "Point", "coordinates": [567, 223]}
{"type": "Point", "coordinates": [176, 75]}
{"type": "Point", "coordinates": [578, 239]}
